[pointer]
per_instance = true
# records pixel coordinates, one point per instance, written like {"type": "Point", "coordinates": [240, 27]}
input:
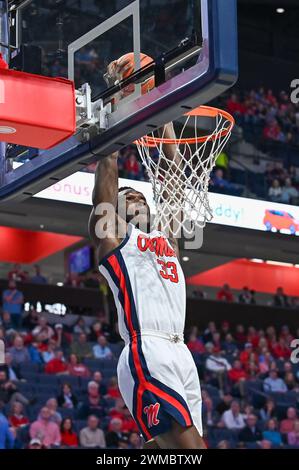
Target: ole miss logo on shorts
{"type": "Point", "coordinates": [151, 413]}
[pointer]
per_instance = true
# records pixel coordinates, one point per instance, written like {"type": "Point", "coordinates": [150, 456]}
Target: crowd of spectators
{"type": "Point", "coordinates": [58, 387]}
{"type": "Point", "coordinates": [250, 386]}
{"type": "Point", "coordinates": [274, 116]}
{"type": "Point", "coordinates": [271, 123]}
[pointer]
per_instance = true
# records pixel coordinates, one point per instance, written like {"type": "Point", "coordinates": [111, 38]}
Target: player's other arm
{"type": "Point", "coordinates": [103, 221]}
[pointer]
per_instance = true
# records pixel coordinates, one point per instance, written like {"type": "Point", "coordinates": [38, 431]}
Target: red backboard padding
{"type": "Point", "coordinates": [40, 109]}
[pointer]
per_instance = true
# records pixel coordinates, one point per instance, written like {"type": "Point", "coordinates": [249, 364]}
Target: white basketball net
{"type": "Point", "coordinates": [181, 190]}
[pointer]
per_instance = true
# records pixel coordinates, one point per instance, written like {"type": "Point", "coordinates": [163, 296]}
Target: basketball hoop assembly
{"type": "Point", "coordinates": [180, 187]}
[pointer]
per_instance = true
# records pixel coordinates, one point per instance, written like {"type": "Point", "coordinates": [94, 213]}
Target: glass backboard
{"type": "Point", "coordinates": [192, 44]}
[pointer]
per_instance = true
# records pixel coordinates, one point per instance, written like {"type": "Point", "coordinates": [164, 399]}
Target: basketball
{"type": "Point", "coordinates": [148, 84]}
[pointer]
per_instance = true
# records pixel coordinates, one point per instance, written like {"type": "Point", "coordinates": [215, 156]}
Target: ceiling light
{"type": "Point", "coordinates": [59, 284]}
{"type": "Point", "coordinates": [280, 10]}
{"type": "Point", "coordinates": [185, 258]}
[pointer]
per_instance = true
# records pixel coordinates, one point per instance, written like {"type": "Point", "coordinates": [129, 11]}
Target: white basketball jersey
{"type": "Point", "coordinates": [147, 282]}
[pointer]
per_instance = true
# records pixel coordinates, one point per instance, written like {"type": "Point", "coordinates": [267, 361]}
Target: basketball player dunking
{"type": "Point", "coordinates": [156, 373]}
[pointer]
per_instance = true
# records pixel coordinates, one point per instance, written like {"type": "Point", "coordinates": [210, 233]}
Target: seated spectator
{"type": "Point", "coordinates": [293, 436]}
{"type": "Point", "coordinates": [34, 353]}
{"type": "Point", "coordinates": [210, 416]}
{"type": "Point", "coordinates": [114, 434]}
{"type": "Point", "coordinates": [94, 403]}
{"type": "Point", "coordinates": [280, 350]}
{"type": "Point", "coordinates": [246, 296]}
{"type": "Point", "coordinates": [225, 328]}
{"type": "Point", "coordinates": [9, 391]}
{"type": "Point", "coordinates": [11, 371]}
{"type": "Point", "coordinates": [248, 355]}
{"type": "Point", "coordinates": [19, 352]}
{"type": "Point", "coordinates": [288, 425]}
{"type": "Point", "coordinates": [275, 191]}
{"type": "Point", "coordinates": [217, 365]}
{"type": "Point", "coordinates": [112, 389]}
{"type": "Point", "coordinates": [57, 365]}
{"type": "Point", "coordinates": [101, 350]}
{"type": "Point", "coordinates": [225, 294]}
{"type": "Point", "coordinates": [198, 293]}
{"type": "Point", "coordinates": [135, 441]}
{"type": "Point", "coordinates": [118, 410]}
{"type": "Point", "coordinates": [67, 399]}
{"type": "Point", "coordinates": [251, 432]}
{"type": "Point", "coordinates": [62, 337]}
{"type": "Point", "coordinates": [98, 378]}
{"type": "Point", "coordinates": [6, 322]}
{"type": "Point", "coordinates": [55, 416]}
{"type": "Point", "coordinates": [50, 353]}
{"type": "Point", "coordinates": [6, 437]}
{"type": "Point", "coordinates": [35, 444]}
{"type": "Point", "coordinates": [46, 430]}
{"type": "Point", "coordinates": [289, 192]}
{"type": "Point", "coordinates": [240, 336]}
{"type": "Point", "coordinates": [223, 444]}
{"type": "Point", "coordinates": [12, 302]}
{"type": "Point", "coordinates": [92, 437]}
{"type": "Point", "coordinates": [73, 280]}
{"type": "Point", "coordinates": [17, 274]}
{"type": "Point", "coordinates": [43, 330]}
{"type": "Point", "coordinates": [16, 417]}
{"type": "Point", "coordinates": [233, 418]}
{"type": "Point", "coordinates": [265, 360]}
{"type": "Point", "coordinates": [224, 404]}
{"type": "Point", "coordinates": [265, 444]}
{"type": "Point", "coordinates": [235, 106]}
{"type": "Point", "coordinates": [81, 327]}
{"type": "Point", "coordinates": [229, 345]}
{"type": "Point", "coordinates": [280, 299]}
{"type": "Point", "coordinates": [290, 381]}
{"type": "Point", "coordinates": [273, 383]}
{"type": "Point", "coordinates": [68, 436]}
{"type": "Point", "coordinates": [272, 434]}
{"type": "Point", "coordinates": [81, 347]}
{"type": "Point", "coordinates": [208, 332]}
{"type": "Point", "coordinates": [273, 131]}
{"type": "Point", "coordinates": [219, 184]}
{"type": "Point", "coordinates": [128, 423]}
{"type": "Point", "coordinates": [31, 320]}
{"type": "Point", "coordinates": [237, 375]}
{"type": "Point", "coordinates": [132, 166]}
{"type": "Point", "coordinates": [38, 278]}
{"type": "Point", "coordinates": [96, 331]}
{"type": "Point", "coordinates": [195, 345]}
{"type": "Point", "coordinates": [77, 369]}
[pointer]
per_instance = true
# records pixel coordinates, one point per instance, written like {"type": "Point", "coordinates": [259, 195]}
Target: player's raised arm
{"type": "Point", "coordinates": [103, 221]}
